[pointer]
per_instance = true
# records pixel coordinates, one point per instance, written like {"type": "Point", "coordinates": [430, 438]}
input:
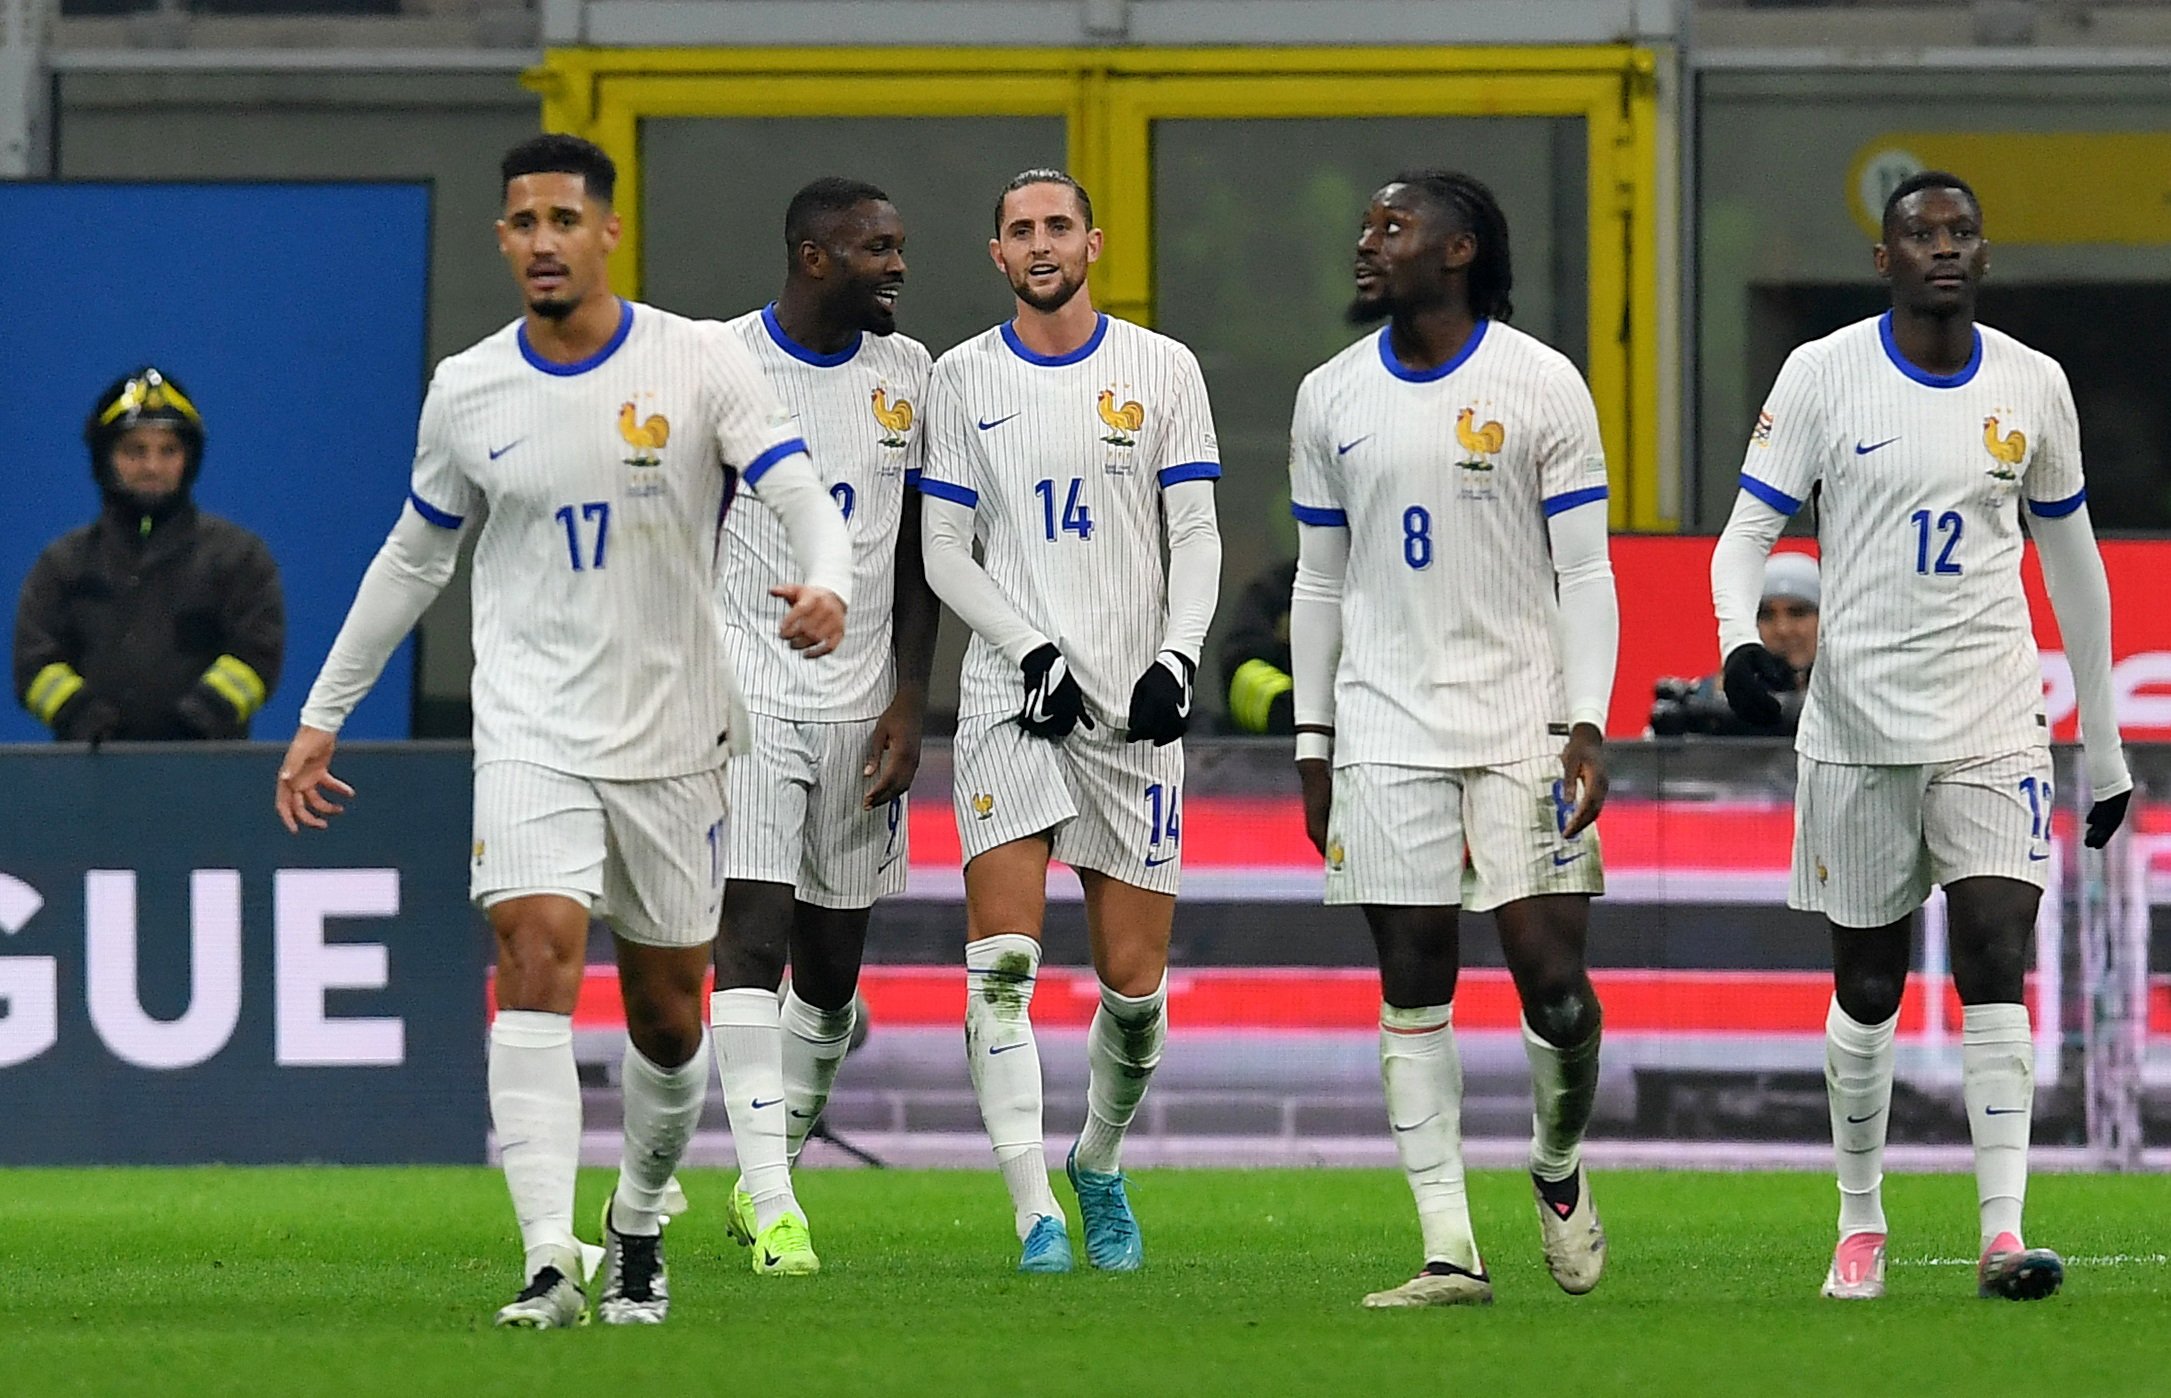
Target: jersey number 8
{"type": "Point", "coordinates": [1417, 537]}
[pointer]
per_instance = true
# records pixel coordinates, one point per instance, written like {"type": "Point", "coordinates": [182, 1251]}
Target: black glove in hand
{"type": "Point", "coordinates": [1161, 700]}
{"type": "Point", "coordinates": [2104, 818]}
{"type": "Point", "coordinates": [1753, 677]}
{"type": "Point", "coordinates": [1053, 702]}
{"type": "Point", "coordinates": [87, 719]}
{"type": "Point", "coordinates": [206, 715]}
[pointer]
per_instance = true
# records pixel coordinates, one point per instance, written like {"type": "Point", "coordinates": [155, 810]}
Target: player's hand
{"type": "Point", "coordinates": [1583, 772]}
{"type": "Point", "coordinates": [893, 753]}
{"type": "Point", "coordinates": [815, 623]}
{"type": "Point", "coordinates": [1753, 679]}
{"type": "Point", "coordinates": [1161, 700]}
{"type": "Point", "coordinates": [304, 773]}
{"type": "Point", "coordinates": [2104, 818]}
{"type": "Point", "coordinates": [1054, 704]}
{"type": "Point", "coordinates": [1317, 777]}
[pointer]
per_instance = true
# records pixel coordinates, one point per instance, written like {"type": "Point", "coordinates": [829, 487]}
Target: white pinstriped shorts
{"type": "Point", "coordinates": [1476, 837]}
{"type": "Point", "coordinates": [1869, 841]}
{"type": "Point", "coordinates": [1115, 807]}
{"type": "Point", "coordinates": [647, 857]}
{"type": "Point", "coordinates": [796, 816]}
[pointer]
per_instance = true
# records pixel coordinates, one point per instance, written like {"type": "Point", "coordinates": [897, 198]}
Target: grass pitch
{"type": "Point", "coordinates": [328, 1280]}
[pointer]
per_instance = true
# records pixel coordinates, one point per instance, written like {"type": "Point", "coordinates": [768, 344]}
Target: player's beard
{"type": "Point", "coordinates": [554, 307]}
{"type": "Point", "coordinates": [869, 311]}
{"type": "Point", "coordinates": [1049, 303]}
{"type": "Point", "coordinates": [1368, 310]}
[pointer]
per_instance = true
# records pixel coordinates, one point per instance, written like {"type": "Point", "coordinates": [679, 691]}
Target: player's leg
{"type": "Point", "coordinates": [1987, 824]}
{"type": "Point", "coordinates": [1010, 793]}
{"type": "Point", "coordinates": [1859, 859]}
{"type": "Point", "coordinates": [539, 843]}
{"type": "Point", "coordinates": [1128, 928]}
{"type": "Point", "coordinates": [820, 1012]}
{"type": "Point", "coordinates": [1539, 883]}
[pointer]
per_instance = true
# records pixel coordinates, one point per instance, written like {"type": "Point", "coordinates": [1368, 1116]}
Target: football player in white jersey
{"type": "Point", "coordinates": [604, 440]}
{"type": "Point", "coordinates": [1447, 478]}
{"type": "Point", "coordinates": [1923, 746]}
{"type": "Point", "coordinates": [1072, 445]}
{"type": "Point", "coordinates": [817, 828]}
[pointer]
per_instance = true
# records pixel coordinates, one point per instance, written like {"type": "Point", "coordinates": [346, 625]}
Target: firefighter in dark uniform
{"type": "Point", "coordinates": [156, 620]}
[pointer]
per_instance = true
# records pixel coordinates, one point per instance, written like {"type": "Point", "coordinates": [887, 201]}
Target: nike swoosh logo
{"type": "Point", "coordinates": [994, 1049]}
{"type": "Point", "coordinates": [1860, 450]}
{"type": "Point", "coordinates": [802, 1116]}
{"type": "Point", "coordinates": [2003, 1111]}
{"type": "Point", "coordinates": [1563, 861]}
{"type": "Point", "coordinates": [991, 426]}
{"type": "Point", "coordinates": [1413, 1125]}
{"type": "Point", "coordinates": [500, 451]}
{"type": "Point", "coordinates": [1858, 1120]}
{"type": "Point", "coordinates": [1352, 446]}
{"type": "Point", "coordinates": [768, 1258]}
{"type": "Point", "coordinates": [2037, 858]}
{"type": "Point", "coordinates": [1153, 863]}
{"type": "Point", "coordinates": [759, 1104]}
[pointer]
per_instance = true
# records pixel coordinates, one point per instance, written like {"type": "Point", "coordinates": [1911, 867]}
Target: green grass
{"type": "Point", "coordinates": [382, 1281]}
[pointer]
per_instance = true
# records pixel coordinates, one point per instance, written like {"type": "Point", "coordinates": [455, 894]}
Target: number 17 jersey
{"type": "Point", "coordinates": [1924, 650]}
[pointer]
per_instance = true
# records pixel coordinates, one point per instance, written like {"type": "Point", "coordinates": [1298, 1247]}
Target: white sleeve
{"type": "Point", "coordinates": [2080, 595]}
{"type": "Point", "coordinates": [810, 516]}
{"type": "Point", "coordinates": [1315, 620]}
{"type": "Point", "coordinates": [1786, 453]}
{"type": "Point", "coordinates": [1737, 569]}
{"type": "Point", "coordinates": [946, 553]}
{"type": "Point", "coordinates": [1590, 614]}
{"type": "Point", "coordinates": [408, 572]}
{"type": "Point", "coordinates": [1194, 565]}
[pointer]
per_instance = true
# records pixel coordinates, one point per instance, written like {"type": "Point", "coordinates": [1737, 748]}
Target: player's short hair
{"type": "Point", "coordinates": [554, 154]}
{"type": "Point", "coordinates": [1042, 175]}
{"type": "Point", "coordinates": [1927, 179]}
{"type": "Point", "coordinates": [1492, 272]}
{"type": "Point", "coordinates": [821, 199]}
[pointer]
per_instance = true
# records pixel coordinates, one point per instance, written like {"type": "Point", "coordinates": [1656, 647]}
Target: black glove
{"type": "Point", "coordinates": [1753, 679]}
{"type": "Point", "coordinates": [1053, 702]}
{"type": "Point", "coordinates": [1161, 700]}
{"type": "Point", "coordinates": [87, 718]}
{"type": "Point", "coordinates": [2104, 818]}
{"type": "Point", "coordinates": [207, 715]}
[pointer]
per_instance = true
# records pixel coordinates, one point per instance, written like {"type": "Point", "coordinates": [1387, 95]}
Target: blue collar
{"type": "Point", "coordinates": [566, 371]}
{"type": "Point", "coordinates": [800, 352]}
{"type": "Point", "coordinates": [1409, 375]}
{"type": "Point", "coordinates": [1924, 376]}
{"type": "Point", "coordinates": [1055, 361]}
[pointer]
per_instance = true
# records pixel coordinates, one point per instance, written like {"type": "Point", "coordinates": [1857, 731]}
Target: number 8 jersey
{"type": "Point", "coordinates": [1925, 652]}
{"type": "Point", "coordinates": [1445, 480]}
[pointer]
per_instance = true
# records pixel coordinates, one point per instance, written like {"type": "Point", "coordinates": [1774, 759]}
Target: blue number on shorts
{"type": "Point", "coordinates": [1417, 537]}
{"type": "Point", "coordinates": [1164, 822]}
{"type": "Point", "coordinates": [896, 815]}
{"type": "Point", "coordinates": [1562, 807]}
{"type": "Point", "coordinates": [2039, 807]}
{"type": "Point", "coordinates": [1077, 519]}
{"type": "Point", "coordinates": [716, 854]}
{"type": "Point", "coordinates": [845, 497]}
{"type": "Point", "coordinates": [596, 510]}
{"type": "Point", "coordinates": [1948, 523]}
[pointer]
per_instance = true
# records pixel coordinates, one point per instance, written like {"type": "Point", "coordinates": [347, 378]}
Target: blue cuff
{"type": "Point", "coordinates": [1770, 495]}
{"type": "Point", "coordinates": [443, 519]}
{"type": "Point", "coordinates": [1554, 504]}
{"type": "Point", "coordinates": [1190, 471]}
{"type": "Point", "coordinates": [759, 466]}
{"type": "Point", "coordinates": [2058, 509]}
{"type": "Point", "coordinates": [1313, 514]}
{"type": "Point", "coordinates": [912, 479]}
{"type": "Point", "coordinates": [945, 490]}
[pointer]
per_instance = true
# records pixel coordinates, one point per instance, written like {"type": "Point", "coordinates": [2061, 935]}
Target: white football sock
{"type": "Point", "coordinates": [662, 1107]}
{"type": "Point", "coordinates": [750, 1061]}
{"type": "Point", "coordinates": [815, 1042]}
{"type": "Point", "coordinates": [1858, 1088]}
{"type": "Point", "coordinates": [1122, 1049]}
{"type": "Point", "coordinates": [1997, 1081]}
{"type": "Point", "coordinates": [1005, 1066]}
{"type": "Point", "coordinates": [1563, 1085]}
{"type": "Point", "coordinates": [1422, 1074]}
{"type": "Point", "coordinates": [535, 1109]}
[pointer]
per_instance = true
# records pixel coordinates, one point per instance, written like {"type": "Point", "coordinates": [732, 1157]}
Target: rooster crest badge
{"type": "Point", "coordinates": [646, 438]}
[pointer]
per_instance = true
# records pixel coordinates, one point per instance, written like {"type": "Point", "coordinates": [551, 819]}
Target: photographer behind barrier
{"type": "Point", "coordinates": [1786, 622]}
{"type": "Point", "coordinates": [155, 620]}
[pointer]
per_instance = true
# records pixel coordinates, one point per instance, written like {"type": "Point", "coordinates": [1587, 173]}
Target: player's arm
{"type": "Point", "coordinates": [1315, 608]}
{"type": "Point", "coordinates": [1190, 464]}
{"type": "Point", "coordinates": [2080, 596]}
{"type": "Point", "coordinates": [1054, 703]}
{"type": "Point", "coordinates": [410, 569]}
{"type": "Point", "coordinates": [893, 758]}
{"type": "Point", "coordinates": [1572, 477]}
{"type": "Point", "coordinates": [1782, 465]}
{"type": "Point", "coordinates": [252, 640]}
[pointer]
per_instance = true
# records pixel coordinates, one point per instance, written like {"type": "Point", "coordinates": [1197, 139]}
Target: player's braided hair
{"type": "Point", "coordinates": [1043, 175]}
{"type": "Point", "coordinates": [556, 154]}
{"type": "Point", "coordinates": [818, 201]}
{"type": "Point", "coordinates": [1491, 274]}
{"type": "Point", "coordinates": [1926, 179]}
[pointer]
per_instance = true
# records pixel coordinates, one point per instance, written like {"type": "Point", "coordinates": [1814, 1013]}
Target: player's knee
{"type": "Point", "coordinates": [1565, 1013]}
{"type": "Point", "coordinates": [1869, 995]}
{"type": "Point", "coordinates": [744, 965]}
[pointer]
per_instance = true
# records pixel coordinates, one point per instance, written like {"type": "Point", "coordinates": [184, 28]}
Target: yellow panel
{"type": "Point", "coordinates": [2036, 187]}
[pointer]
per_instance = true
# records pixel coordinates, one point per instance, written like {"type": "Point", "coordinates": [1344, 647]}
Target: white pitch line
{"type": "Point", "coordinates": [2116, 1259]}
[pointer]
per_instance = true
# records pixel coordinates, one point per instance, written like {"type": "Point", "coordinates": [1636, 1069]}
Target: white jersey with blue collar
{"type": "Point", "coordinates": [1925, 652]}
